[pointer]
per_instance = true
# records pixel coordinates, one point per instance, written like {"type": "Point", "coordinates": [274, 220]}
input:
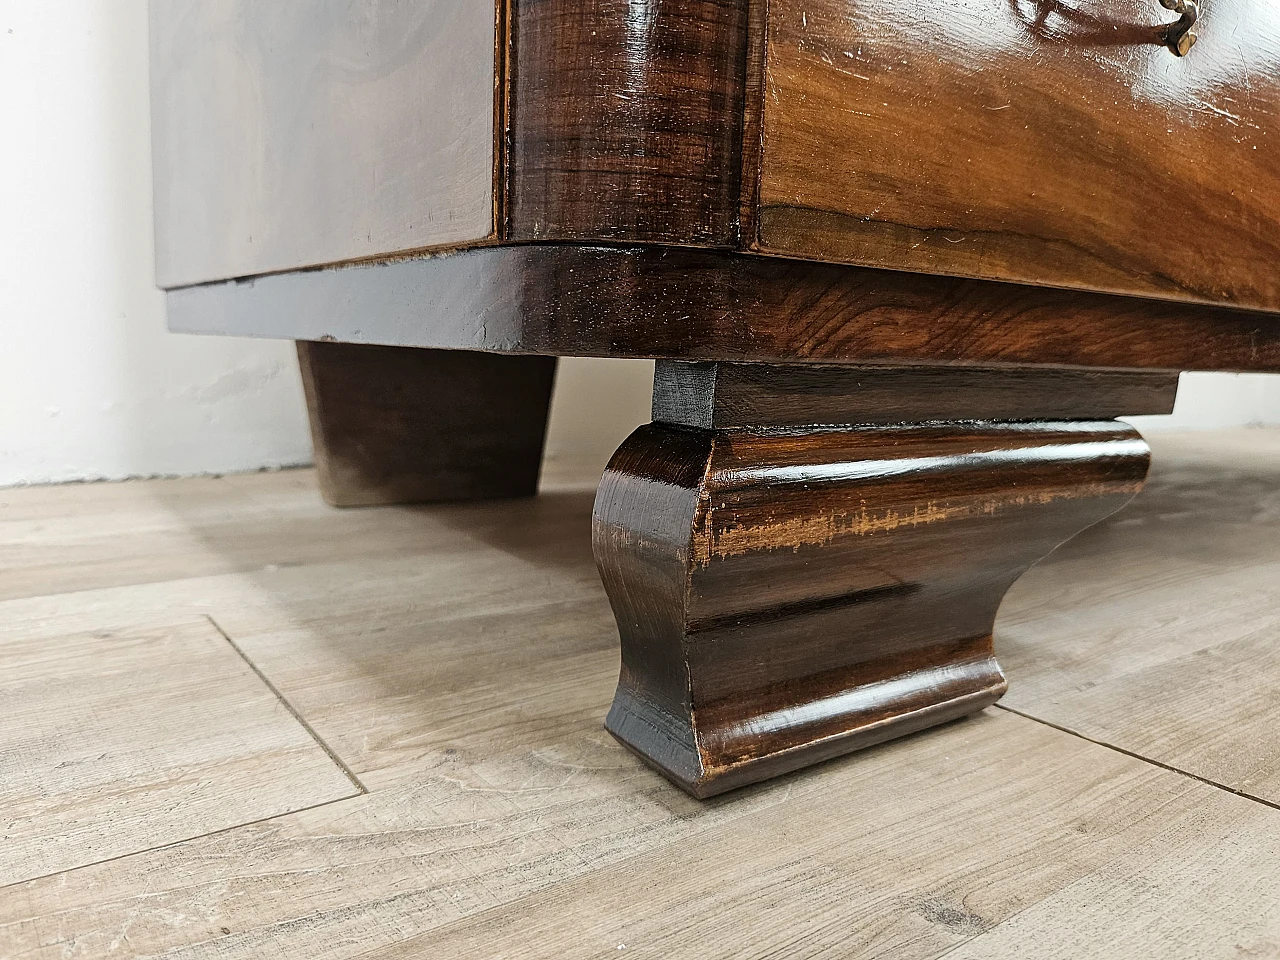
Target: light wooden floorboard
{"type": "Point", "coordinates": [1159, 631]}
{"type": "Point", "coordinates": [116, 534]}
{"type": "Point", "coordinates": [1085, 857]}
{"type": "Point", "coordinates": [389, 655]}
{"type": "Point", "coordinates": [568, 848]}
{"type": "Point", "coordinates": [113, 742]}
{"type": "Point", "coordinates": [459, 659]}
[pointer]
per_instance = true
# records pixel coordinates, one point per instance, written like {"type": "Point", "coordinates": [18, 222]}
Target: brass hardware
{"type": "Point", "coordinates": [1178, 35]}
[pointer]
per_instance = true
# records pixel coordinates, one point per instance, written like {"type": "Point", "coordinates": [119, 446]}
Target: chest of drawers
{"type": "Point", "coordinates": [901, 263]}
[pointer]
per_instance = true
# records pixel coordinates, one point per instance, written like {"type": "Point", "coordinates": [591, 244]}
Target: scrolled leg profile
{"type": "Point", "coordinates": [786, 595]}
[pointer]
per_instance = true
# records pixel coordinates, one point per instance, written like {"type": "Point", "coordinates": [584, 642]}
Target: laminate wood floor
{"type": "Point", "coordinates": [235, 723]}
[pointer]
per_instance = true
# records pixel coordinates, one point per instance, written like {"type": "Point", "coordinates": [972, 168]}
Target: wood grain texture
{"type": "Point", "coordinates": [118, 741]}
{"type": "Point", "coordinates": [704, 305]}
{"type": "Point", "coordinates": [1170, 649]}
{"type": "Point", "coordinates": [301, 132]}
{"type": "Point", "coordinates": [503, 822]}
{"type": "Point", "coordinates": [78, 537]}
{"type": "Point", "coordinates": [779, 889]}
{"type": "Point", "coordinates": [1027, 140]}
{"type": "Point", "coordinates": [787, 597]}
{"type": "Point", "coordinates": [81, 538]}
{"type": "Point", "coordinates": [398, 425]}
{"type": "Point", "coordinates": [752, 124]}
{"type": "Point", "coordinates": [728, 395]}
{"type": "Point", "coordinates": [625, 120]}
{"type": "Point", "coordinates": [384, 628]}
{"type": "Point", "coordinates": [563, 848]}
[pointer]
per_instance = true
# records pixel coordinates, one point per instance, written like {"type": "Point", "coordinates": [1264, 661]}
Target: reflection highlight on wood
{"type": "Point", "coordinates": [625, 120]}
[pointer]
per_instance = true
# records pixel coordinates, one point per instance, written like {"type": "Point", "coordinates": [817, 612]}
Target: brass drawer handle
{"type": "Point", "coordinates": [1178, 35]}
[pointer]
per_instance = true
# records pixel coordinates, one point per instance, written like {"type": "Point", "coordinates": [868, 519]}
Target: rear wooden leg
{"type": "Point", "coordinates": [787, 590]}
{"type": "Point", "coordinates": [410, 425]}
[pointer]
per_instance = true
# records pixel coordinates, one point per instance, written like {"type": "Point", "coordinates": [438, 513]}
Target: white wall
{"type": "Point", "coordinates": [92, 386]}
{"type": "Point", "coordinates": [1211, 400]}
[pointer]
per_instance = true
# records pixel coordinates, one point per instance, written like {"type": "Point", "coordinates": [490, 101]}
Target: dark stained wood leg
{"type": "Point", "coordinates": [408, 425]}
{"type": "Point", "coordinates": [787, 591]}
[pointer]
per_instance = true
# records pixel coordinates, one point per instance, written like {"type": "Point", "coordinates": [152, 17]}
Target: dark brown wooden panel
{"type": "Point", "coordinates": [752, 119]}
{"type": "Point", "coordinates": [729, 395]}
{"type": "Point", "coordinates": [625, 120]}
{"type": "Point", "coordinates": [1039, 141]}
{"type": "Point", "coordinates": [787, 597]}
{"type": "Point", "coordinates": [402, 425]}
{"type": "Point", "coordinates": [706, 305]}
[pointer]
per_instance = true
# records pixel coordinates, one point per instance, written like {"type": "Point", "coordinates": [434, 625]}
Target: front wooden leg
{"type": "Point", "coordinates": [789, 592]}
{"type": "Point", "coordinates": [411, 425]}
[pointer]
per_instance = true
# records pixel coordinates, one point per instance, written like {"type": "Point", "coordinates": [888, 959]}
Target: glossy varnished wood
{"type": "Point", "coordinates": [402, 425]}
{"type": "Point", "coordinates": [707, 305]}
{"type": "Point", "coordinates": [787, 596]}
{"type": "Point", "coordinates": [1028, 140]}
{"type": "Point", "coordinates": [727, 395]}
{"type": "Point", "coordinates": [624, 120]}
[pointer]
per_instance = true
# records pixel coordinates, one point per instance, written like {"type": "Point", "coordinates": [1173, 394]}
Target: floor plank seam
{"type": "Point", "coordinates": [177, 843]}
{"type": "Point", "coordinates": [1138, 756]}
{"type": "Point", "coordinates": [350, 774]}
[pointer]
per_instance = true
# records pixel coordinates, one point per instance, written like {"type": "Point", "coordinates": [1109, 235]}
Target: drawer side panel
{"type": "Point", "coordinates": [302, 132]}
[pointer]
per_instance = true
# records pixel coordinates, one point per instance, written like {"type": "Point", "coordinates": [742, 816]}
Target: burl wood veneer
{"type": "Point", "coordinates": [1040, 141]}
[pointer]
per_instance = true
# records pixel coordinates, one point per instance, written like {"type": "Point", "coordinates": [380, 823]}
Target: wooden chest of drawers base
{"type": "Point", "coordinates": [902, 262]}
{"type": "Point", "coordinates": [802, 560]}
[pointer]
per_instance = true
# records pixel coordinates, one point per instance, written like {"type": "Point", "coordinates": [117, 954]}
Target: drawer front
{"type": "Point", "coordinates": [1057, 142]}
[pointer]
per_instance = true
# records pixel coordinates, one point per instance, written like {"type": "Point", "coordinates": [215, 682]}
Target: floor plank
{"type": "Point", "coordinates": [566, 848]}
{"type": "Point", "coordinates": [1076, 860]}
{"type": "Point", "coordinates": [460, 659]}
{"type": "Point", "coordinates": [1158, 631]}
{"type": "Point", "coordinates": [113, 742]}
{"type": "Point", "coordinates": [59, 539]}
{"type": "Point", "coordinates": [385, 654]}
{"type": "Point", "coordinates": [90, 536]}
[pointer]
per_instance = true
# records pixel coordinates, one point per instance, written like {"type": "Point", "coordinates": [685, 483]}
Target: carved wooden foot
{"type": "Point", "coordinates": [788, 592]}
{"type": "Point", "coordinates": [410, 425]}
